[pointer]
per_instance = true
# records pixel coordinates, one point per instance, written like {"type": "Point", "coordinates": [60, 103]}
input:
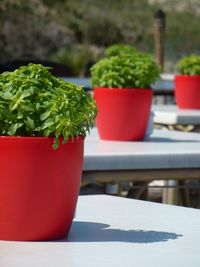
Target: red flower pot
{"type": "Point", "coordinates": [187, 91]}
{"type": "Point", "coordinates": [39, 187]}
{"type": "Point", "coordinates": [123, 114]}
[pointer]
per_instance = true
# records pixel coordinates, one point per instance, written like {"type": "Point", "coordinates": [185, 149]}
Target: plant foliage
{"type": "Point", "coordinates": [126, 71]}
{"type": "Point", "coordinates": [119, 49]}
{"type": "Point", "coordinates": [189, 65]}
{"type": "Point", "coordinates": [35, 103]}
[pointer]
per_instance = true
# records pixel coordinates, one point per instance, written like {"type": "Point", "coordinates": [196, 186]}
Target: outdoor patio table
{"type": "Point", "coordinates": [113, 232]}
{"type": "Point", "coordinates": [172, 115]}
{"type": "Point", "coordinates": [164, 85]}
{"type": "Point", "coordinates": [165, 155]}
{"type": "Point", "coordinates": [173, 118]}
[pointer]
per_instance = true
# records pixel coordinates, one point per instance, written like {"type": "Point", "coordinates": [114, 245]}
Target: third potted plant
{"type": "Point", "coordinates": [119, 50]}
{"type": "Point", "coordinates": [187, 83]}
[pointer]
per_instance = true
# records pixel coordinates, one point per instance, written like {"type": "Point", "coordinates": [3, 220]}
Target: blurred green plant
{"type": "Point", "coordinates": [79, 57]}
{"type": "Point", "coordinates": [126, 71]}
{"type": "Point", "coordinates": [189, 65]}
{"type": "Point", "coordinates": [119, 49]}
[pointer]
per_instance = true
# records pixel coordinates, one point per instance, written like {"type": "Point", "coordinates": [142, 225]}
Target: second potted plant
{"type": "Point", "coordinates": [123, 95]}
{"type": "Point", "coordinates": [187, 83]}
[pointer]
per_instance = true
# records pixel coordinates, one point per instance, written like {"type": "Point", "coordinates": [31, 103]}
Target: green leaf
{"type": "Point", "coordinates": [55, 143]}
{"type": "Point", "coordinates": [30, 123]}
{"type": "Point", "coordinates": [7, 95]}
{"type": "Point", "coordinates": [13, 129]}
{"type": "Point", "coordinates": [49, 122]}
{"type": "Point", "coordinates": [45, 115]}
{"type": "Point", "coordinates": [65, 136]}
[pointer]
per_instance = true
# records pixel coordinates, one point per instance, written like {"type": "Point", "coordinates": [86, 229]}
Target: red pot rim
{"type": "Point", "coordinates": [122, 89]}
{"type": "Point", "coordinates": [186, 76]}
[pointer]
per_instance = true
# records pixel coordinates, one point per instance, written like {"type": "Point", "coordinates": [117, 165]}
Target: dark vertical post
{"type": "Point", "coordinates": [159, 17]}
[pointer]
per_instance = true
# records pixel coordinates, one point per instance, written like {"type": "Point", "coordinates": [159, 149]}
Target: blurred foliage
{"type": "Point", "coordinates": [189, 65]}
{"type": "Point", "coordinates": [119, 49]}
{"type": "Point", "coordinates": [45, 28]}
{"type": "Point", "coordinates": [29, 29]}
{"type": "Point", "coordinates": [79, 57]}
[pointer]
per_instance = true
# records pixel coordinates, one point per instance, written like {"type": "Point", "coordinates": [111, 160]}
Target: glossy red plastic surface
{"type": "Point", "coordinates": [187, 91]}
{"type": "Point", "coordinates": [123, 114]}
{"type": "Point", "coordinates": [39, 187]}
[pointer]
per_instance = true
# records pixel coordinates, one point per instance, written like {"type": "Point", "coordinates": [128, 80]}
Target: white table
{"type": "Point", "coordinates": [173, 118]}
{"type": "Point", "coordinates": [166, 155]}
{"type": "Point", "coordinates": [164, 84]}
{"type": "Point", "coordinates": [114, 232]}
{"type": "Point", "coordinates": [172, 115]}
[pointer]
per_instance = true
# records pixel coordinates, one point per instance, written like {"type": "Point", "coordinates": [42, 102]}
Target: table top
{"type": "Point", "coordinates": [171, 115]}
{"type": "Point", "coordinates": [114, 231]}
{"type": "Point", "coordinates": [164, 149]}
{"type": "Point", "coordinates": [165, 82]}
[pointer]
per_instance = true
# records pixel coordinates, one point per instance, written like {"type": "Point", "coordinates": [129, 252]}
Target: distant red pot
{"type": "Point", "coordinates": [39, 187]}
{"type": "Point", "coordinates": [123, 114]}
{"type": "Point", "coordinates": [187, 91]}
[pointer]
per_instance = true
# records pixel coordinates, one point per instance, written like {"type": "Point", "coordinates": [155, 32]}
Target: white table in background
{"type": "Point", "coordinates": [165, 83]}
{"type": "Point", "coordinates": [173, 118]}
{"type": "Point", "coordinates": [172, 115]}
{"type": "Point", "coordinates": [113, 232]}
{"type": "Point", "coordinates": [165, 155]}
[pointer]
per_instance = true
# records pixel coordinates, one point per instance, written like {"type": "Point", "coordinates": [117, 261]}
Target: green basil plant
{"type": "Point", "coordinates": [137, 70]}
{"type": "Point", "coordinates": [189, 65]}
{"type": "Point", "coordinates": [119, 49]}
{"type": "Point", "coordinates": [35, 103]}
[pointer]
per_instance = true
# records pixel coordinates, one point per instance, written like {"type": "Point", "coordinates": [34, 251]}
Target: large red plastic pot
{"type": "Point", "coordinates": [187, 91]}
{"type": "Point", "coordinates": [123, 114]}
{"type": "Point", "coordinates": [39, 187]}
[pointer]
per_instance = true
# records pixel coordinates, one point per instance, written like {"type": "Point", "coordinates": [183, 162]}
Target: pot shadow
{"type": "Point", "coordinates": [99, 232]}
{"type": "Point", "coordinates": [169, 140]}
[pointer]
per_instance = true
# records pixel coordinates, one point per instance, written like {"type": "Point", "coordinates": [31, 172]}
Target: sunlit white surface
{"type": "Point", "coordinates": [171, 114]}
{"type": "Point", "coordinates": [163, 149]}
{"type": "Point", "coordinates": [114, 232]}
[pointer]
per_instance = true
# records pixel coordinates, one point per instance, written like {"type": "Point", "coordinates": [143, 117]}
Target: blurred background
{"type": "Point", "coordinates": [76, 32]}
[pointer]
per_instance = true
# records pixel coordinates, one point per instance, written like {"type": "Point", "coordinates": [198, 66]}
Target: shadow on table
{"type": "Point", "coordinates": [169, 140]}
{"type": "Point", "coordinates": [98, 232]}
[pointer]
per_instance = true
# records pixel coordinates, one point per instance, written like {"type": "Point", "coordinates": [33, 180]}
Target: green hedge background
{"type": "Point", "coordinates": [76, 32]}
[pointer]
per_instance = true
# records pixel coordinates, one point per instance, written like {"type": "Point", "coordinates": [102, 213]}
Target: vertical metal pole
{"type": "Point", "coordinates": [159, 17]}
